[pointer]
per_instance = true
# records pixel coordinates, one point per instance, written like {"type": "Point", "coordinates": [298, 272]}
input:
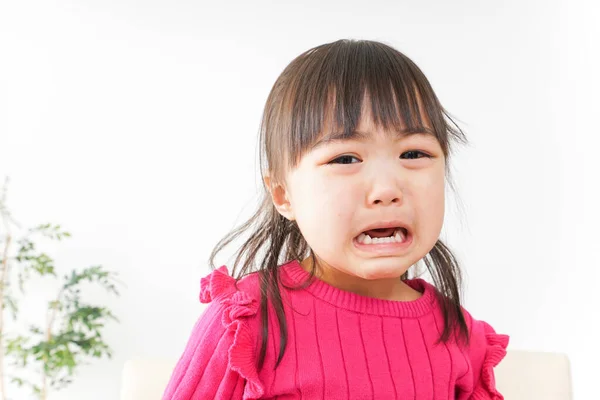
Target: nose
{"type": "Point", "coordinates": [385, 198]}
{"type": "Point", "coordinates": [385, 192]}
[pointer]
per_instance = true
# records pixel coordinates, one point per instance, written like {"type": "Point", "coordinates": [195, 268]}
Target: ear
{"type": "Point", "coordinates": [280, 198]}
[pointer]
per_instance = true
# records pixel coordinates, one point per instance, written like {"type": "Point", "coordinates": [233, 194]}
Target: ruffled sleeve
{"type": "Point", "coordinates": [487, 348]}
{"type": "Point", "coordinates": [219, 361]}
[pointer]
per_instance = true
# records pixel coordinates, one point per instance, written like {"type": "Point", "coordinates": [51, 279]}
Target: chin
{"type": "Point", "coordinates": [378, 270]}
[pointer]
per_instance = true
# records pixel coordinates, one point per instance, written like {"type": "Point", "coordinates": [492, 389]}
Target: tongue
{"type": "Point", "coordinates": [381, 232]}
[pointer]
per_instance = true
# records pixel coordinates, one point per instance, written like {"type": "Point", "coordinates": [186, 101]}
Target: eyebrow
{"type": "Point", "coordinates": [363, 136]}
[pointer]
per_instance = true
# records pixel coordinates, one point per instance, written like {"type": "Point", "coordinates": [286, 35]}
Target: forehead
{"type": "Point", "coordinates": [415, 123]}
{"type": "Point", "coordinates": [367, 130]}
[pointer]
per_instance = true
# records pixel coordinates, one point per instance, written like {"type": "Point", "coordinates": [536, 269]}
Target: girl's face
{"type": "Point", "coordinates": [341, 188]}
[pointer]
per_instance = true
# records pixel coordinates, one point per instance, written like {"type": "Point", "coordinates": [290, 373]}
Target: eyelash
{"type": "Point", "coordinates": [347, 155]}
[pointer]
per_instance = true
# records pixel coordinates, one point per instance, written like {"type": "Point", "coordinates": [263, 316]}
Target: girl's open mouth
{"type": "Point", "coordinates": [387, 240]}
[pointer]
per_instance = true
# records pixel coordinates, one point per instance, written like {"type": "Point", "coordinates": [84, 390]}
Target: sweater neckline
{"type": "Point", "coordinates": [364, 304]}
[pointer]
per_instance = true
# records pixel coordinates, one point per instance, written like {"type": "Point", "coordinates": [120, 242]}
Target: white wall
{"type": "Point", "coordinates": [133, 124]}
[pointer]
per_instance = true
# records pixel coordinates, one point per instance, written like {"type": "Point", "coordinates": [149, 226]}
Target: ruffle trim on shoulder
{"type": "Point", "coordinates": [485, 389]}
{"type": "Point", "coordinates": [220, 286]}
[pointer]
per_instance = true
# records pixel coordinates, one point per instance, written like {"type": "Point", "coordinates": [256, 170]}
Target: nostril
{"type": "Point", "coordinates": [383, 199]}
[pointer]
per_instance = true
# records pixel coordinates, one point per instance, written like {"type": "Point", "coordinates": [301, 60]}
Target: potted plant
{"type": "Point", "coordinates": [45, 356]}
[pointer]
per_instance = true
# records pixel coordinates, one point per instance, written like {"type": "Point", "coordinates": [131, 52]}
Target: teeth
{"type": "Point", "coordinates": [398, 237]}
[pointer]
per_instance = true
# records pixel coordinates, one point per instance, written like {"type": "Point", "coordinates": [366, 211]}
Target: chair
{"type": "Point", "coordinates": [522, 375]}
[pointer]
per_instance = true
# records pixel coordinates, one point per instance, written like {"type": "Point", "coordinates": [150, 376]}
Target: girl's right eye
{"type": "Point", "coordinates": [343, 159]}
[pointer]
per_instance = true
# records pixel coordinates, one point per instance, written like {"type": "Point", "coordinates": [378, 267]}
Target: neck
{"type": "Point", "coordinates": [386, 289]}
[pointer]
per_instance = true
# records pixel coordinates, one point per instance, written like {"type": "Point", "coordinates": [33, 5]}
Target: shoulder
{"type": "Point", "coordinates": [222, 288]}
{"type": "Point", "coordinates": [236, 303]}
{"type": "Point", "coordinates": [483, 337]}
{"type": "Point", "coordinates": [219, 358]}
{"type": "Point", "coordinates": [486, 350]}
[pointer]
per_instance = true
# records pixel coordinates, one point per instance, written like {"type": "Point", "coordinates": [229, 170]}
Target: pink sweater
{"type": "Point", "coordinates": [341, 345]}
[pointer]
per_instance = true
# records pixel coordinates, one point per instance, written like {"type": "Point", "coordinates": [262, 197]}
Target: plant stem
{"type": "Point", "coordinates": [3, 276]}
{"type": "Point", "coordinates": [50, 320]}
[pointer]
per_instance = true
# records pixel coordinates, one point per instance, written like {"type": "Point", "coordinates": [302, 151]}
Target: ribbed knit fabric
{"type": "Point", "coordinates": [340, 345]}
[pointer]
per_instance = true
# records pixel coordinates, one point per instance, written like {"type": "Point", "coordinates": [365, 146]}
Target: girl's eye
{"type": "Point", "coordinates": [416, 152]}
{"type": "Point", "coordinates": [412, 155]}
{"type": "Point", "coordinates": [344, 160]}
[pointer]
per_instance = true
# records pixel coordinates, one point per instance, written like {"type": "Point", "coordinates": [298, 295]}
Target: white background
{"type": "Point", "coordinates": [134, 125]}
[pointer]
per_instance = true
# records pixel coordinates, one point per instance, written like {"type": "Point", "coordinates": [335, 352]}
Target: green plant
{"type": "Point", "coordinates": [71, 332]}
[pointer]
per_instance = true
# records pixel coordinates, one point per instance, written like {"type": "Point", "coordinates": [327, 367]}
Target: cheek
{"type": "Point", "coordinates": [431, 204]}
{"type": "Point", "coordinates": [326, 205]}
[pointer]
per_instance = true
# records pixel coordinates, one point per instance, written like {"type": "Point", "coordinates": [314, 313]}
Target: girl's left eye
{"type": "Point", "coordinates": [346, 159]}
{"type": "Point", "coordinates": [417, 152]}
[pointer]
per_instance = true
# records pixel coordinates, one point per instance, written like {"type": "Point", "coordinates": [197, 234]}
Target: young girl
{"type": "Point", "coordinates": [357, 148]}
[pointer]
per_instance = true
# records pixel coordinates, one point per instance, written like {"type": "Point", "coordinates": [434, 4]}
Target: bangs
{"type": "Point", "coordinates": [327, 90]}
{"type": "Point", "coordinates": [396, 119]}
